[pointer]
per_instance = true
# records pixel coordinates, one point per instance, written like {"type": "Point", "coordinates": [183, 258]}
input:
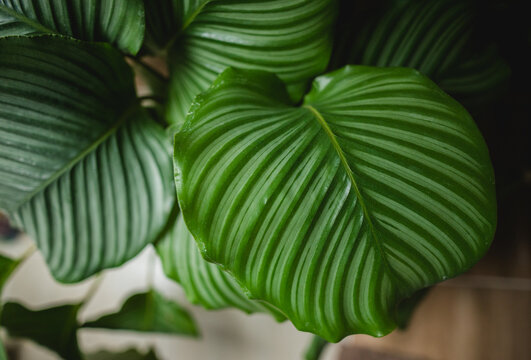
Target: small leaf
{"type": "Point", "coordinates": [84, 170]}
{"type": "Point", "coordinates": [148, 312]}
{"type": "Point", "coordinates": [54, 328]}
{"type": "Point", "coordinates": [378, 186]}
{"type": "Point", "coordinates": [290, 38]}
{"type": "Point", "coordinates": [126, 355]}
{"type": "Point", "coordinates": [204, 283]}
{"type": "Point", "coordinates": [7, 266]}
{"type": "Point", "coordinates": [120, 22]}
{"type": "Point", "coordinates": [2, 352]}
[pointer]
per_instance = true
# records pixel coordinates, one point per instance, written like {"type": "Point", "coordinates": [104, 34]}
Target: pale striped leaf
{"type": "Point", "coordinates": [83, 169]}
{"type": "Point", "coordinates": [291, 38]}
{"type": "Point", "coordinates": [438, 38]}
{"type": "Point", "coordinates": [204, 283]}
{"type": "Point", "coordinates": [120, 22]}
{"type": "Point", "coordinates": [378, 186]}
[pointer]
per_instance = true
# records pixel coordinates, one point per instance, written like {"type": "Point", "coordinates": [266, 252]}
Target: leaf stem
{"type": "Point", "coordinates": [92, 290]}
{"type": "Point", "coordinates": [315, 349]}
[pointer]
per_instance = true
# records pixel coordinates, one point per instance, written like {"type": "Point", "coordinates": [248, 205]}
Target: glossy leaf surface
{"type": "Point", "coordinates": [291, 38]}
{"type": "Point", "coordinates": [83, 169]}
{"type": "Point", "coordinates": [204, 283]}
{"type": "Point", "coordinates": [120, 22]}
{"type": "Point", "coordinates": [148, 312]}
{"type": "Point", "coordinates": [54, 328]}
{"type": "Point", "coordinates": [378, 186]}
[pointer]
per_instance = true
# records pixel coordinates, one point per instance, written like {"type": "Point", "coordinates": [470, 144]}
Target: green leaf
{"type": "Point", "coordinates": [291, 38]}
{"type": "Point", "coordinates": [333, 212]}
{"type": "Point", "coordinates": [120, 22]}
{"type": "Point", "coordinates": [7, 266]}
{"type": "Point", "coordinates": [2, 352]}
{"type": "Point", "coordinates": [438, 39]}
{"type": "Point", "coordinates": [148, 312]}
{"type": "Point", "coordinates": [83, 169]}
{"type": "Point", "coordinates": [126, 355]}
{"type": "Point", "coordinates": [204, 283]}
{"type": "Point", "coordinates": [54, 328]}
{"type": "Point", "coordinates": [166, 19]}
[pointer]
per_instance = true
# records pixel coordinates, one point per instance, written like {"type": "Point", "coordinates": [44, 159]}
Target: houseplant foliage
{"type": "Point", "coordinates": [325, 197]}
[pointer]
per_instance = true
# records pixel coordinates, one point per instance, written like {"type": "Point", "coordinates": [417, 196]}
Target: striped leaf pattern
{"type": "Point", "coordinates": [378, 186]}
{"type": "Point", "coordinates": [437, 39]}
{"type": "Point", "coordinates": [291, 38]}
{"type": "Point", "coordinates": [120, 22]}
{"type": "Point", "coordinates": [166, 19]}
{"type": "Point", "coordinates": [204, 283]}
{"type": "Point", "coordinates": [83, 169]}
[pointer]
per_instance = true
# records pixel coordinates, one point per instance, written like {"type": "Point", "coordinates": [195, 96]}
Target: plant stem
{"type": "Point", "coordinates": [315, 349]}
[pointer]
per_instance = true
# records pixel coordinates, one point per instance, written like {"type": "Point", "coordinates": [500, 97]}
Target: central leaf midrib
{"type": "Point", "coordinates": [377, 242]}
{"type": "Point", "coordinates": [28, 21]}
{"type": "Point", "coordinates": [88, 150]}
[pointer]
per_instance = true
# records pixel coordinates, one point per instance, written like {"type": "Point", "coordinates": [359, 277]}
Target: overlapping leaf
{"type": "Point", "coordinates": [83, 169]}
{"type": "Point", "coordinates": [435, 37]}
{"type": "Point", "coordinates": [120, 22]}
{"type": "Point", "coordinates": [54, 328]}
{"type": "Point", "coordinates": [378, 186]}
{"type": "Point", "coordinates": [148, 312]}
{"type": "Point", "coordinates": [291, 38]}
{"type": "Point", "coordinates": [204, 283]}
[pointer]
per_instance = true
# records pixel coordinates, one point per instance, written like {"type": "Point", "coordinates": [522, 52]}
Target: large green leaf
{"type": "Point", "coordinates": [204, 283]}
{"type": "Point", "coordinates": [435, 37]}
{"type": "Point", "coordinates": [291, 38]}
{"type": "Point", "coordinates": [120, 22]}
{"type": "Point", "coordinates": [378, 186]}
{"type": "Point", "coordinates": [83, 169]}
{"type": "Point", "coordinates": [54, 328]}
{"type": "Point", "coordinates": [149, 312]}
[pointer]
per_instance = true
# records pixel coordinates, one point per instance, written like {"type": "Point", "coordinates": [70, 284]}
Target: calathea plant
{"type": "Point", "coordinates": [327, 198]}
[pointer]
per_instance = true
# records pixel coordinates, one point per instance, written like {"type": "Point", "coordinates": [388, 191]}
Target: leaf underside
{"type": "Point", "coordinates": [204, 283]}
{"type": "Point", "coordinates": [333, 212]}
{"type": "Point", "coordinates": [289, 38]}
{"type": "Point", "coordinates": [120, 22]}
{"type": "Point", "coordinates": [83, 169]}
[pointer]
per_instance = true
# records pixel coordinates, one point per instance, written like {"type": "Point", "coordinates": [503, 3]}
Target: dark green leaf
{"type": "Point", "coordinates": [83, 169]}
{"type": "Point", "coordinates": [204, 283]}
{"type": "Point", "coordinates": [291, 38]}
{"type": "Point", "coordinates": [434, 37]}
{"type": "Point", "coordinates": [120, 22]}
{"type": "Point", "coordinates": [7, 266]}
{"type": "Point", "coordinates": [126, 355]}
{"type": "Point", "coordinates": [378, 186]}
{"type": "Point", "coordinates": [149, 312]}
{"type": "Point", "coordinates": [54, 328]}
{"type": "Point", "coordinates": [167, 19]}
